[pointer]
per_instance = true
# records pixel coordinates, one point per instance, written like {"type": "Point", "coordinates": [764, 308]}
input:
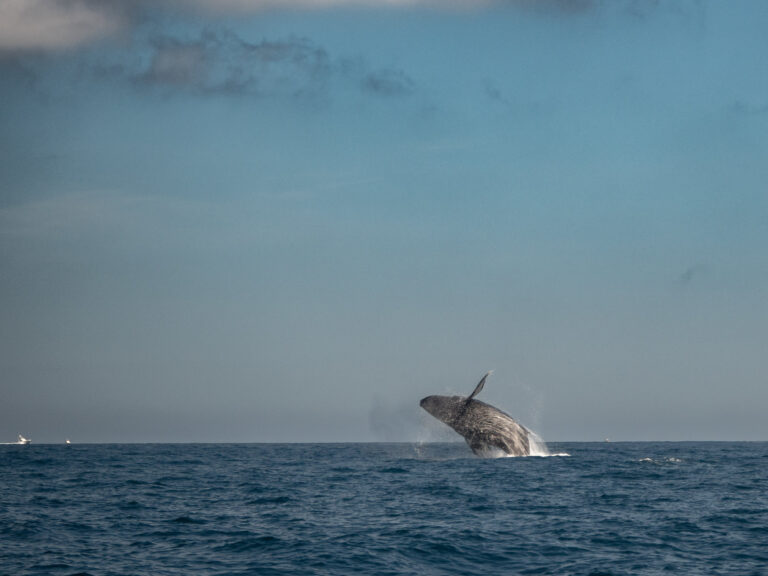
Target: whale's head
{"type": "Point", "coordinates": [444, 408]}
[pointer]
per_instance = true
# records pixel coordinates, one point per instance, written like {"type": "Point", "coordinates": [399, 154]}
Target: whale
{"type": "Point", "coordinates": [486, 429]}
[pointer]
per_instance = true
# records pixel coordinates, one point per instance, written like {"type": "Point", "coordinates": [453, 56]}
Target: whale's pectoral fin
{"type": "Point", "coordinates": [479, 386]}
{"type": "Point", "coordinates": [481, 444]}
{"type": "Point", "coordinates": [517, 446]}
{"type": "Point", "coordinates": [477, 446]}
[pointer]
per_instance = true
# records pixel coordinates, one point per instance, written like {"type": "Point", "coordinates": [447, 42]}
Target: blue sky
{"type": "Point", "coordinates": [289, 221]}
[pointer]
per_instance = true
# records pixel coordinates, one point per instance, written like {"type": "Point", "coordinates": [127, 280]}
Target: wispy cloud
{"type": "Point", "coordinates": [220, 62]}
{"type": "Point", "coordinates": [50, 25]}
{"type": "Point", "coordinates": [46, 25]}
{"type": "Point", "coordinates": [692, 272]}
{"type": "Point", "coordinates": [388, 82]}
{"type": "Point", "coordinates": [566, 6]}
{"type": "Point", "coordinates": [741, 107]}
{"type": "Point", "coordinates": [259, 5]}
{"type": "Point", "coordinates": [494, 93]}
{"type": "Point", "coordinates": [57, 24]}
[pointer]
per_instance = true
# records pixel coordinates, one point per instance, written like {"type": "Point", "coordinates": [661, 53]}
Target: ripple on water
{"type": "Point", "coordinates": [380, 509]}
{"type": "Point", "coordinates": [267, 500]}
{"type": "Point", "coordinates": [250, 544]}
{"type": "Point", "coordinates": [187, 520]}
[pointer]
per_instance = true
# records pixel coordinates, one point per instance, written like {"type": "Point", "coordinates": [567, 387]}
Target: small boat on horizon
{"type": "Point", "coordinates": [23, 440]}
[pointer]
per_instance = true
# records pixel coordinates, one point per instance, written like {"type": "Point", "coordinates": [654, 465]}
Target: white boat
{"type": "Point", "coordinates": [23, 440]}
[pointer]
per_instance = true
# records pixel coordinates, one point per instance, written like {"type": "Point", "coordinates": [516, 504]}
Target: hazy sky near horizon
{"type": "Point", "coordinates": [289, 221]}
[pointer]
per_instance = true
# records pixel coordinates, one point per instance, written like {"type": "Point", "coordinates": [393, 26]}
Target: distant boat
{"type": "Point", "coordinates": [23, 440]}
{"type": "Point", "coordinates": [67, 441]}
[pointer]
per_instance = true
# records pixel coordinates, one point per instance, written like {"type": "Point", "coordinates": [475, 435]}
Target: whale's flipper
{"type": "Point", "coordinates": [479, 387]}
{"type": "Point", "coordinates": [517, 445]}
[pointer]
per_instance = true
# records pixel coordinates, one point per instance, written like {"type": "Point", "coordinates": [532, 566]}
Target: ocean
{"type": "Point", "coordinates": [236, 509]}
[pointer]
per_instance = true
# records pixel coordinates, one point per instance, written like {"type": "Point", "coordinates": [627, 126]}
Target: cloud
{"type": "Point", "coordinates": [567, 6]}
{"type": "Point", "coordinates": [388, 82]}
{"type": "Point", "coordinates": [692, 272]}
{"type": "Point", "coordinates": [244, 6]}
{"type": "Point", "coordinates": [390, 421]}
{"type": "Point", "coordinates": [744, 108]}
{"type": "Point", "coordinates": [219, 62]}
{"type": "Point", "coordinates": [223, 63]}
{"type": "Point", "coordinates": [494, 93]}
{"type": "Point", "coordinates": [57, 24]}
{"type": "Point", "coordinates": [49, 25]}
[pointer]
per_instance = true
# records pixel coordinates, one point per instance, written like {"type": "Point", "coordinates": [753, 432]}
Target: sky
{"type": "Point", "coordinates": [288, 221]}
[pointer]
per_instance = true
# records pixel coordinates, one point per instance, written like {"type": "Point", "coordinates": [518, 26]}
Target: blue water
{"type": "Point", "coordinates": [619, 508]}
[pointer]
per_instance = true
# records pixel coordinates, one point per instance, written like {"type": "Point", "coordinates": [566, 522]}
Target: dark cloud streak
{"type": "Point", "coordinates": [55, 25]}
{"type": "Point", "coordinates": [556, 6]}
{"type": "Point", "coordinates": [219, 62]}
{"type": "Point", "coordinates": [223, 63]}
{"type": "Point", "coordinates": [388, 82]}
{"type": "Point", "coordinates": [743, 108]}
{"type": "Point", "coordinates": [692, 272]}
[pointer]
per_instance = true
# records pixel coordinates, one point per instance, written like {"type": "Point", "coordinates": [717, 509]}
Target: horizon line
{"type": "Point", "coordinates": [308, 443]}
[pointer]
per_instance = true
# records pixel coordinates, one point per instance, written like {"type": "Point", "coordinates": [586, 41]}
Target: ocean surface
{"type": "Point", "coordinates": [216, 509]}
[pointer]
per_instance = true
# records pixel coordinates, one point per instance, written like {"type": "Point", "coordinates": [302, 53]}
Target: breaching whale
{"type": "Point", "coordinates": [484, 427]}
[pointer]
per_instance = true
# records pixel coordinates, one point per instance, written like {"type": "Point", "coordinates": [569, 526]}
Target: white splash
{"type": "Point", "coordinates": [670, 459]}
{"type": "Point", "coordinates": [537, 447]}
{"type": "Point", "coordinates": [494, 452]}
